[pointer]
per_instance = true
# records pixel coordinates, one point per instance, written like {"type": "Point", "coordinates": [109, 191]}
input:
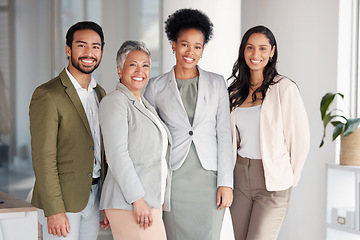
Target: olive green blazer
{"type": "Point", "coordinates": [62, 147]}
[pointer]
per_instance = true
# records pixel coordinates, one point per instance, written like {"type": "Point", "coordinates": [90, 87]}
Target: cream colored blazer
{"type": "Point", "coordinates": [284, 135]}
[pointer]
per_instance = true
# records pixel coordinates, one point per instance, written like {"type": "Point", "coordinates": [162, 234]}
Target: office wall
{"type": "Point", "coordinates": [307, 33]}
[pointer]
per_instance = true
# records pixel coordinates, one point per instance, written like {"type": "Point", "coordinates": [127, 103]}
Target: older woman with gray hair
{"type": "Point", "coordinates": [137, 146]}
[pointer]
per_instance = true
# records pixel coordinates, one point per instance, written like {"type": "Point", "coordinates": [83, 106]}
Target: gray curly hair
{"type": "Point", "coordinates": [126, 48]}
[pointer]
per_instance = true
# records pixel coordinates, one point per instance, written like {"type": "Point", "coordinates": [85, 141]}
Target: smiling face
{"type": "Point", "coordinates": [258, 51]}
{"type": "Point", "coordinates": [85, 53]}
{"type": "Point", "coordinates": [135, 72]}
{"type": "Point", "coordinates": [188, 48]}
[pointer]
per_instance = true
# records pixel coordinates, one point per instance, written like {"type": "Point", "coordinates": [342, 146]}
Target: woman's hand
{"type": "Point", "coordinates": [224, 197]}
{"type": "Point", "coordinates": [105, 223]}
{"type": "Point", "coordinates": [142, 213]}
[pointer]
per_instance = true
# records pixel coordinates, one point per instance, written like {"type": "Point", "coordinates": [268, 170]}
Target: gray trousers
{"type": "Point", "coordinates": [257, 214]}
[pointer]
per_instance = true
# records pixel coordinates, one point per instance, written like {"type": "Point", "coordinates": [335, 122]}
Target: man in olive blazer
{"type": "Point", "coordinates": [65, 140]}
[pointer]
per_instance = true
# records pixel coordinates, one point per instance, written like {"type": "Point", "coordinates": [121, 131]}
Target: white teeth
{"type": "Point", "coordinates": [137, 78]}
{"type": "Point", "coordinates": [188, 59]}
{"type": "Point", "coordinates": [255, 61]}
{"type": "Point", "coordinates": [88, 61]}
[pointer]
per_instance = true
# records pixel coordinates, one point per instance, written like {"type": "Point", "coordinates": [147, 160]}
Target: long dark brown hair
{"type": "Point", "coordinates": [240, 87]}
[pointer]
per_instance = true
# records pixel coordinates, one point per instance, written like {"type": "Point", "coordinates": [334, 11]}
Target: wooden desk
{"type": "Point", "coordinates": [18, 219]}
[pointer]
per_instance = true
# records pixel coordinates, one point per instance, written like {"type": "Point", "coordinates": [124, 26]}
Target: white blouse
{"type": "Point", "coordinates": [164, 167]}
{"type": "Point", "coordinates": [248, 125]}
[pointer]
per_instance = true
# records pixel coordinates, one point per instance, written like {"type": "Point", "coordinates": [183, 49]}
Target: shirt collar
{"type": "Point", "coordinates": [92, 83]}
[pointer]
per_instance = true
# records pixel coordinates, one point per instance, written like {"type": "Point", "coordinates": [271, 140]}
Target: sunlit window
{"type": "Point", "coordinates": [7, 134]}
{"type": "Point", "coordinates": [348, 54]}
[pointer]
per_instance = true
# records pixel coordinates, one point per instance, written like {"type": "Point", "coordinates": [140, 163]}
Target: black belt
{"type": "Point", "coordinates": [95, 181]}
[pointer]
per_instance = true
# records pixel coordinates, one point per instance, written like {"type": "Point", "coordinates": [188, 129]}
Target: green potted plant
{"type": "Point", "coordinates": [344, 127]}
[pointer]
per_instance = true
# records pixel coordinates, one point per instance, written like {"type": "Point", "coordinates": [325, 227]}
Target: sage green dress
{"type": "Point", "coordinates": [194, 214]}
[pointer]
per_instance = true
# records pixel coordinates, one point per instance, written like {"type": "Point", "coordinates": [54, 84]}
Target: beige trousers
{"type": "Point", "coordinates": [124, 226]}
{"type": "Point", "coordinates": [257, 214]}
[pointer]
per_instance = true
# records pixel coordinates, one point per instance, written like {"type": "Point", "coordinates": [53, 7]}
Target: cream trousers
{"type": "Point", "coordinates": [124, 226]}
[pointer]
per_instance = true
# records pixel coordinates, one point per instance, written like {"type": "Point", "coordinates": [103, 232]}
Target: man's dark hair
{"type": "Point", "coordinates": [84, 26]}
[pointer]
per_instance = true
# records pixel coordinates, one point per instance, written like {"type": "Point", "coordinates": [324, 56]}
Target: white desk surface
{"type": "Point", "coordinates": [12, 204]}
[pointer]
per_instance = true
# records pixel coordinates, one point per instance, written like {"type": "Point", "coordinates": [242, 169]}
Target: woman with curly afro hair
{"type": "Point", "coordinates": [194, 105]}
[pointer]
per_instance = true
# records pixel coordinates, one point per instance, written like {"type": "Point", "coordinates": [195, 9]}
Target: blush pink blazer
{"type": "Point", "coordinates": [284, 135]}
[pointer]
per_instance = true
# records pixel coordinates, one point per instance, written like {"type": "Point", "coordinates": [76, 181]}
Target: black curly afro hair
{"type": "Point", "coordinates": [185, 19]}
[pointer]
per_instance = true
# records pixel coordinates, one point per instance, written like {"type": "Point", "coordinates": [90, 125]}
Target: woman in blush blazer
{"type": "Point", "coordinates": [137, 146]}
{"type": "Point", "coordinates": [194, 105]}
{"type": "Point", "coordinates": [271, 138]}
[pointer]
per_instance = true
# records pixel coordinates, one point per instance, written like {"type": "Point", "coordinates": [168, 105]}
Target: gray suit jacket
{"type": "Point", "coordinates": [132, 142]}
{"type": "Point", "coordinates": [210, 131]}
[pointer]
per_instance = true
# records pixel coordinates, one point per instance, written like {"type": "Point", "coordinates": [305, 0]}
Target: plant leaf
{"type": "Point", "coordinates": [338, 130]}
{"type": "Point", "coordinates": [326, 101]}
{"type": "Point", "coordinates": [335, 123]}
{"type": "Point", "coordinates": [327, 116]}
{"type": "Point", "coordinates": [351, 126]}
{"type": "Point", "coordinates": [326, 120]}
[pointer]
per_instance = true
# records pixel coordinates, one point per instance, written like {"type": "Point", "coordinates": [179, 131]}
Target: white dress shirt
{"type": "Point", "coordinates": [90, 103]}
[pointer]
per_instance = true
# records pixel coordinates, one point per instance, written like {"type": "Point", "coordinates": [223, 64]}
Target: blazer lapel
{"type": "Point", "coordinates": [99, 94]}
{"type": "Point", "coordinates": [132, 98]}
{"type": "Point", "coordinates": [153, 111]}
{"type": "Point", "coordinates": [141, 108]}
{"type": "Point", "coordinates": [201, 101]}
{"type": "Point", "coordinates": [173, 86]}
{"type": "Point", "coordinates": [71, 92]}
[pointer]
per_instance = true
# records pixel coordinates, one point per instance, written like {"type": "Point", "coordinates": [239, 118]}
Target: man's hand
{"type": "Point", "coordinates": [224, 197]}
{"type": "Point", "coordinates": [105, 223]}
{"type": "Point", "coordinates": [142, 213]}
{"type": "Point", "coordinates": [58, 224]}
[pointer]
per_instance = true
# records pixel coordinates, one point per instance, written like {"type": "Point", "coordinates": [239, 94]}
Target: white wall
{"type": "Point", "coordinates": [307, 36]}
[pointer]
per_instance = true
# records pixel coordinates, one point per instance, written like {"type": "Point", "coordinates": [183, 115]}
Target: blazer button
{"type": "Point", "coordinates": [191, 133]}
{"type": "Point", "coordinates": [91, 148]}
{"type": "Point", "coordinates": [89, 174]}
